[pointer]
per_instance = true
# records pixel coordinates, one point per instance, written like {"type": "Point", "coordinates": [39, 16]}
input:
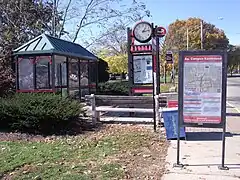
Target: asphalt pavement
{"type": "Point", "coordinates": [233, 92]}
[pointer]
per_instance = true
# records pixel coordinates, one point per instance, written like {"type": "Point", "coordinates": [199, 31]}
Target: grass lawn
{"type": "Point", "coordinates": [113, 152]}
{"type": "Point", "coordinates": [165, 87]}
{"type": "Point", "coordinates": [168, 79]}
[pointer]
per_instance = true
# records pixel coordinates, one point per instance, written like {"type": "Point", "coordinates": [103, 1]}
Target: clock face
{"type": "Point", "coordinates": [142, 32]}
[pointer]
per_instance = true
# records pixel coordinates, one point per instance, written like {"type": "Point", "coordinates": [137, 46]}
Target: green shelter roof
{"type": "Point", "coordinates": [45, 44]}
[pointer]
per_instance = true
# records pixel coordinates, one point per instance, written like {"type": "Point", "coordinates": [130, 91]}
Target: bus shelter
{"type": "Point", "coordinates": [50, 64]}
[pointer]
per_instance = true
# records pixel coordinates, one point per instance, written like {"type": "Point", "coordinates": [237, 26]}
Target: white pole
{"type": "Point", "coordinates": [201, 34]}
{"type": "Point", "coordinates": [187, 39]}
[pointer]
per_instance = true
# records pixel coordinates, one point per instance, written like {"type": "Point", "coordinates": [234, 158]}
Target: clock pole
{"type": "Point", "coordinates": [144, 32]}
{"type": "Point", "coordinates": [154, 76]}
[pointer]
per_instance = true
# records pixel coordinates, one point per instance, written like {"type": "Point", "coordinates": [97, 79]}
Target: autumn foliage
{"type": "Point", "coordinates": [117, 62]}
{"type": "Point", "coordinates": [176, 38]}
{"type": "Point", "coordinates": [213, 37]}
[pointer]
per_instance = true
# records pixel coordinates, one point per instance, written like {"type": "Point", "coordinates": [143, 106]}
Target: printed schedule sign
{"type": "Point", "coordinates": [202, 82]}
{"type": "Point", "coordinates": [202, 95]}
{"type": "Point", "coordinates": [142, 67]}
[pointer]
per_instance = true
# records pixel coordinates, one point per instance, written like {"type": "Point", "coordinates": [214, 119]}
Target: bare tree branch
{"type": "Point", "coordinates": [64, 18]}
{"type": "Point", "coordinates": [81, 21]}
{"type": "Point", "coordinates": [102, 16]}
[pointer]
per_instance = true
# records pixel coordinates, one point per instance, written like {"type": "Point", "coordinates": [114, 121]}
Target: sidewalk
{"type": "Point", "coordinates": [202, 154]}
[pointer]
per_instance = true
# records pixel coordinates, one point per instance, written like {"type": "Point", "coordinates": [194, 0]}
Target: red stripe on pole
{"type": "Point", "coordinates": [154, 64]}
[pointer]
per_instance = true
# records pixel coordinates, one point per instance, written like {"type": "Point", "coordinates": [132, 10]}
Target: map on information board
{"type": "Point", "coordinates": [142, 67]}
{"type": "Point", "coordinates": [202, 92]}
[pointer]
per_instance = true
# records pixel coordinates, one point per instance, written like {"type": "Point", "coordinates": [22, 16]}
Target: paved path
{"type": "Point", "coordinates": [233, 92]}
{"type": "Point", "coordinates": [203, 154]}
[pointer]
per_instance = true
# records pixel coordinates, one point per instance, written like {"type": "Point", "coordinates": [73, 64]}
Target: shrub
{"type": "Point", "coordinates": [6, 80]}
{"type": "Point", "coordinates": [38, 113]}
{"type": "Point", "coordinates": [113, 88]}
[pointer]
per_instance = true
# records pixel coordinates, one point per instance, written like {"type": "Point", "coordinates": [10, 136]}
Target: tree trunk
{"type": "Point", "coordinates": [165, 74]}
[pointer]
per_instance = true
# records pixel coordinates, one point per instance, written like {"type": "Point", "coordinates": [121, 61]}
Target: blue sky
{"type": "Point", "coordinates": [165, 12]}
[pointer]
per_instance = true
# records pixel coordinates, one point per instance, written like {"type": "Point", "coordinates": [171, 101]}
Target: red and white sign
{"type": "Point", "coordinates": [202, 119]}
{"type": "Point", "coordinates": [202, 92]}
{"type": "Point", "coordinates": [160, 31]}
{"type": "Point", "coordinates": [172, 104]}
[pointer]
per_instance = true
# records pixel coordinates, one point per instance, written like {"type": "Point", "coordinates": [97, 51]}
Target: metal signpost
{"type": "Point", "coordinates": [202, 92]}
{"type": "Point", "coordinates": [169, 60]}
{"type": "Point", "coordinates": [169, 57]}
{"type": "Point", "coordinates": [143, 62]}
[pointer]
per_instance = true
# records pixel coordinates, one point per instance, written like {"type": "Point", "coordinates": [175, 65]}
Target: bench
{"type": "Point", "coordinates": [131, 104]}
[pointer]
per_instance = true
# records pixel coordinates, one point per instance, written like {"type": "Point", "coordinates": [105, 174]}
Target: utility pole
{"type": "Point", "coordinates": [187, 39]}
{"type": "Point", "coordinates": [201, 33]}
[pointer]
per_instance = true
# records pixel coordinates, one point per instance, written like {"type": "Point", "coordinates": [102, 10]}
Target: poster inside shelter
{"type": "Point", "coordinates": [202, 92]}
{"type": "Point", "coordinates": [142, 67]}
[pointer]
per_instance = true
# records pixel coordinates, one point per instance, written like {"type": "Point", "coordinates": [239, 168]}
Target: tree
{"type": "Point", "coordinates": [95, 19]}
{"type": "Point", "coordinates": [20, 20]}
{"type": "Point", "coordinates": [213, 37]}
{"type": "Point", "coordinates": [233, 58]}
{"type": "Point", "coordinates": [114, 49]}
{"type": "Point", "coordinates": [176, 38]}
{"type": "Point", "coordinates": [117, 63]}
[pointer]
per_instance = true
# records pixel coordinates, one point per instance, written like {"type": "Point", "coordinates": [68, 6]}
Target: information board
{"type": "Point", "coordinates": [202, 89]}
{"type": "Point", "coordinates": [142, 68]}
{"type": "Point", "coordinates": [202, 84]}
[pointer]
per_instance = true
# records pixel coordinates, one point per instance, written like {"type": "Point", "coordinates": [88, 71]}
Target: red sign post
{"type": "Point", "coordinates": [143, 62]}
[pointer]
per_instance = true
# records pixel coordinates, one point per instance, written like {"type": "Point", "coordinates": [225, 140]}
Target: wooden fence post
{"type": "Point", "coordinates": [156, 98]}
{"type": "Point", "coordinates": [94, 113]}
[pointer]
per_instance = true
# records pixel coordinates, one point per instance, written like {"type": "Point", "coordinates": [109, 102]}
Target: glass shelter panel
{"type": "Point", "coordinates": [73, 73]}
{"type": "Point", "coordinates": [84, 73]}
{"type": "Point", "coordinates": [43, 72]}
{"type": "Point", "coordinates": [92, 74]}
{"type": "Point", "coordinates": [60, 71]}
{"type": "Point", "coordinates": [73, 66]}
{"type": "Point", "coordinates": [25, 73]}
{"type": "Point", "coordinates": [92, 77]}
{"type": "Point", "coordinates": [84, 81]}
{"type": "Point", "coordinates": [84, 91]}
